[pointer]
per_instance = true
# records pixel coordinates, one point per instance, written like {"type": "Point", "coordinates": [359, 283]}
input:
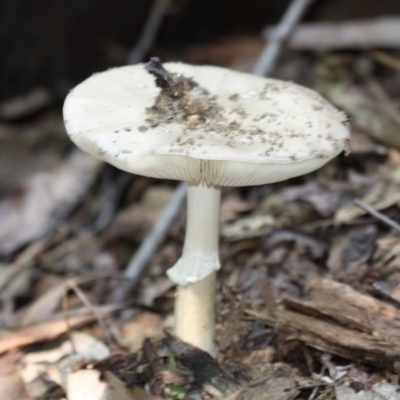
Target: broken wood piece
{"type": "Point", "coordinates": [44, 331]}
{"type": "Point", "coordinates": [350, 308]}
{"type": "Point", "coordinates": [339, 320]}
{"type": "Point", "coordinates": [332, 338]}
{"type": "Point", "coordinates": [377, 32]}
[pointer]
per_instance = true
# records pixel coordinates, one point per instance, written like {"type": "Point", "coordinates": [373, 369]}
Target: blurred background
{"type": "Point", "coordinates": [66, 217]}
{"type": "Point", "coordinates": [53, 44]}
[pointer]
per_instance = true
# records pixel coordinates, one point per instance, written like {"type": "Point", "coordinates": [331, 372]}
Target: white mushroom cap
{"type": "Point", "coordinates": [231, 129]}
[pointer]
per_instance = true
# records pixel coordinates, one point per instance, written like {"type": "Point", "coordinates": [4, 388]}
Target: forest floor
{"type": "Point", "coordinates": [308, 295]}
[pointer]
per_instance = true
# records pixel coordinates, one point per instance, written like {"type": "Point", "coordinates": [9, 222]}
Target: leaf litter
{"type": "Point", "coordinates": [308, 294]}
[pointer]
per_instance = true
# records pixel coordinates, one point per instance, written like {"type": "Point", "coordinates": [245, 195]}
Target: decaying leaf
{"type": "Point", "coordinates": [57, 363]}
{"type": "Point", "coordinates": [11, 384]}
{"type": "Point", "coordinates": [325, 200]}
{"type": "Point", "coordinates": [380, 391]}
{"type": "Point", "coordinates": [368, 112]}
{"type": "Point", "coordinates": [87, 384]}
{"type": "Point", "coordinates": [278, 383]}
{"type": "Point", "coordinates": [17, 286]}
{"type": "Point", "coordinates": [135, 220]}
{"type": "Point", "coordinates": [146, 325]}
{"type": "Point", "coordinates": [381, 196]}
{"type": "Point", "coordinates": [43, 307]}
{"type": "Point", "coordinates": [247, 227]}
{"type": "Point", "coordinates": [388, 252]}
{"type": "Point", "coordinates": [350, 251]}
{"type": "Point", "coordinates": [46, 197]}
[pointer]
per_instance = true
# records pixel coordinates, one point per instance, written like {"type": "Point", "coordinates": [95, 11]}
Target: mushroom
{"type": "Point", "coordinates": [211, 127]}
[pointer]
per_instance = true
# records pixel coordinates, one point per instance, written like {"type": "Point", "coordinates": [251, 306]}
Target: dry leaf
{"type": "Point", "coordinates": [325, 200]}
{"type": "Point", "coordinates": [17, 286]}
{"type": "Point", "coordinates": [43, 307]}
{"type": "Point", "coordinates": [56, 364]}
{"type": "Point", "coordinates": [46, 198]}
{"type": "Point", "coordinates": [380, 391]}
{"type": "Point", "coordinates": [11, 384]}
{"type": "Point", "coordinates": [233, 205]}
{"type": "Point", "coordinates": [380, 197]}
{"type": "Point", "coordinates": [145, 325]}
{"type": "Point", "coordinates": [247, 227]}
{"type": "Point", "coordinates": [41, 332]}
{"type": "Point", "coordinates": [87, 384]}
{"type": "Point", "coordinates": [135, 220]}
{"type": "Point", "coordinates": [89, 348]}
{"type": "Point", "coordinates": [368, 112]}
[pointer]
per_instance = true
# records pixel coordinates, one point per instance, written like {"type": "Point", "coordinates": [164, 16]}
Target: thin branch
{"type": "Point", "coordinates": [149, 32]}
{"type": "Point", "coordinates": [23, 262]}
{"type": "Point", "coordinates": [266, 61]}
{"type": "Point", "coordinates": [378, 215]}
{"type": "Point", "coordinates": [314, 393]}
{"type": "Point", "coordinates": [86, 302]}
{"type": "Point", "coordinates": [151, 243]}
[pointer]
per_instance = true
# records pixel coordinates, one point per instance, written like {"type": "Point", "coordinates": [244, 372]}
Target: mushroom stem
{"type": "Point", "coordinates": [195, 314]}
{"type": "Point", "coordinates": [195, 270]}
{"type": "Point", "coordinates": [200, 252]}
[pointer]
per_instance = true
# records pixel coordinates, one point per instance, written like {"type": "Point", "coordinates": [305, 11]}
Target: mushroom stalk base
{"type": "Point", "coordinates": [195, 270]}
{"type": "Point", "coordinates": [195, 314]}
{"type": "Point", "coordinates": [200, 255]}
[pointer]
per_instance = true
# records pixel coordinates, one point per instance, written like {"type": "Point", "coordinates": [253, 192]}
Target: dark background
{"type": "Point", "coordinates": [54, 44]}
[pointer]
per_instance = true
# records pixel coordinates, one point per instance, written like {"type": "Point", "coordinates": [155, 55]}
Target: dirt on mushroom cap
{"type": "Point", "coordinates": [204, 124]}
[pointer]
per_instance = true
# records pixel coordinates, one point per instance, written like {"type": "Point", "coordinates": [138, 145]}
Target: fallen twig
{"type": "Point", "coordinates": [377, 214]}
{"type": "Point", "coordinates": [279, 35]}
{"type": "Point", "coordinates": [149, 32]}
{"type": "Point", "coordinates": [150, 244]}
{"type": "Point", "coordinates": [23, 261]}
{"type": "Point", "coordinates": [71, 284]}
{"type": "Point", "coordinates": [45, 331]}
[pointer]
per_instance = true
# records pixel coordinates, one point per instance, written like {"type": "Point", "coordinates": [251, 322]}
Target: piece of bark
{"type": "Point", "coordinates": [342, 322]}
{"type": "Point", "coordinates": [350, 308]}
{"type": "Point", "coordinates": [331, 338]}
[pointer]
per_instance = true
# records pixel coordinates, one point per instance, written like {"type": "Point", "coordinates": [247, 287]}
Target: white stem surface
{"type": "Point", "coordinates": [195, 270]}
{"type": "Point", "coordinates": [200, 252]}
{"type": "Point", "coordinates": [195, 314]}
